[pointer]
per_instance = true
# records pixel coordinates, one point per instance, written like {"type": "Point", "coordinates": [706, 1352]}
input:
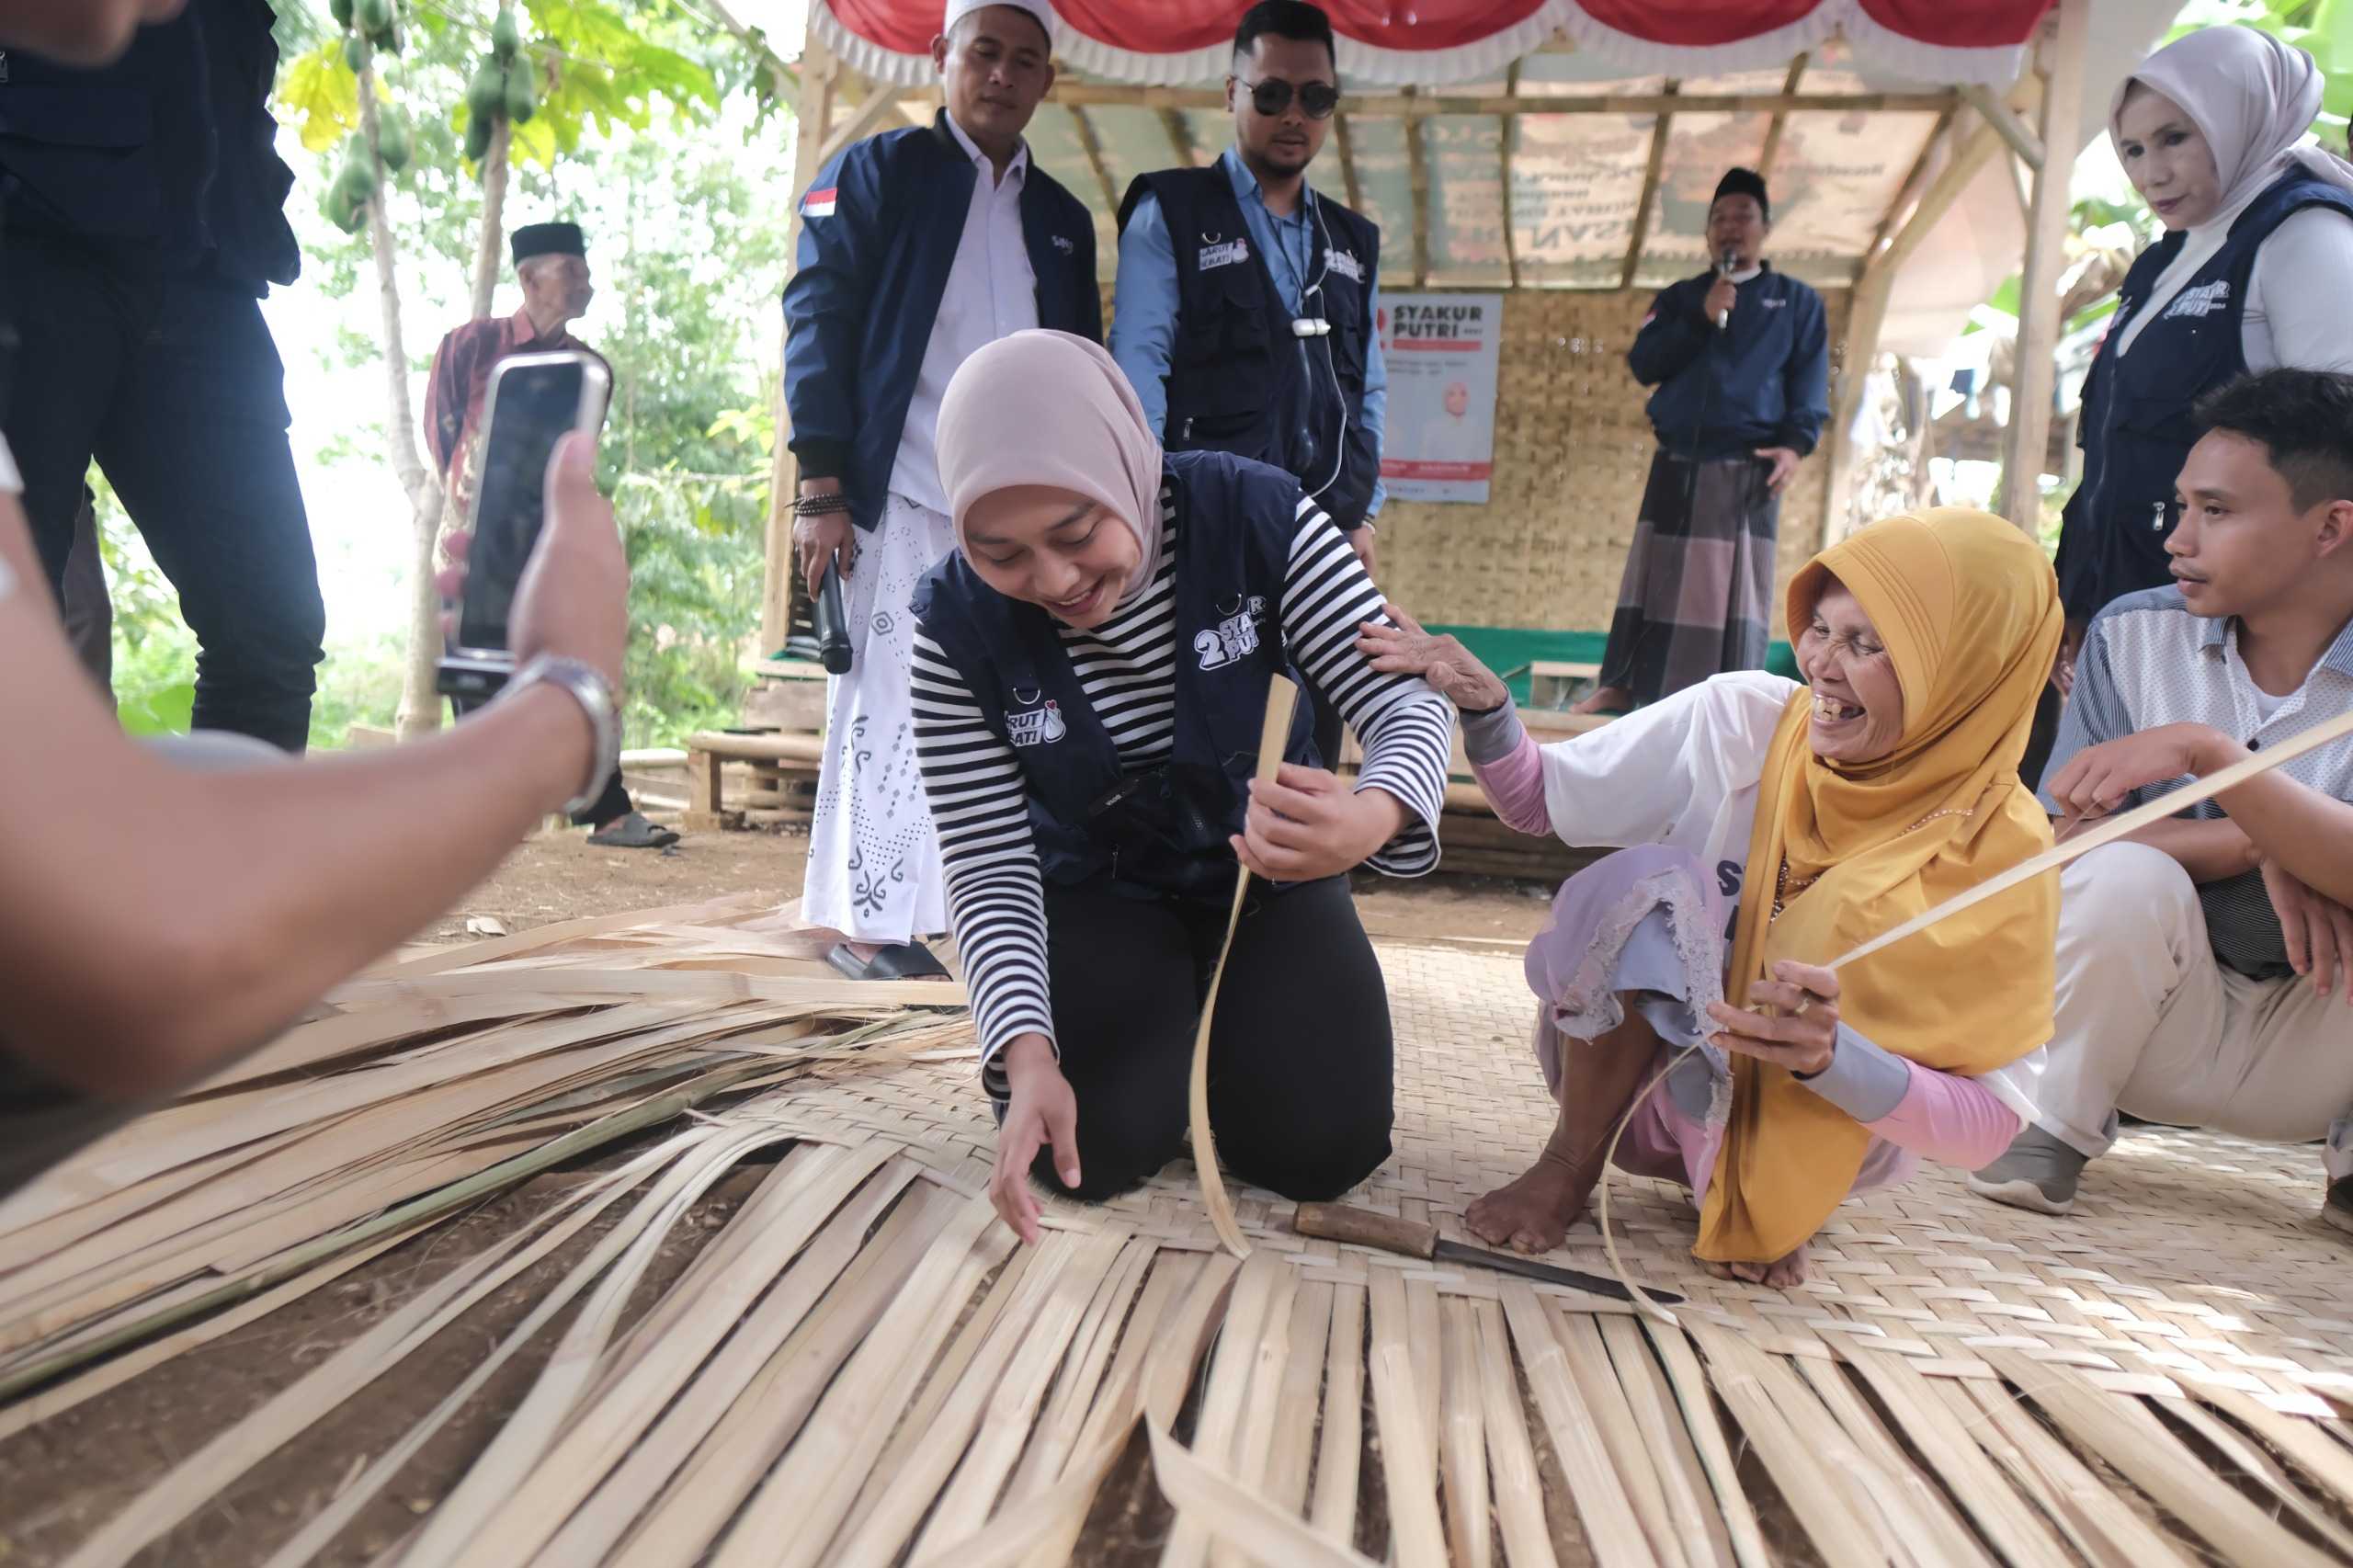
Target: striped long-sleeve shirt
{"type": "Point", "coordinates": [1126, 668]}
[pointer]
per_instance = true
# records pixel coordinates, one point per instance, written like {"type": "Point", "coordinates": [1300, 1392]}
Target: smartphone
{"type": "Point", "coordinates": [532, 400]}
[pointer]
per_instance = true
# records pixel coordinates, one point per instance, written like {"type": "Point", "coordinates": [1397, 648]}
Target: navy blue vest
{"type": "Point", "coordinates": [1238, 381]}
{"type": "Point", "coordinates": [2137, 422]}
{"type": "Point", "coordinates": [1234, 524]}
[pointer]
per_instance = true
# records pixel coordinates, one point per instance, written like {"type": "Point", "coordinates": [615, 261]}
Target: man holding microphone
{"type": "Point", "coordinates": [1740, 357]}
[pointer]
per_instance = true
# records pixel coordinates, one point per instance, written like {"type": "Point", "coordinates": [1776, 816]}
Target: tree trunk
{"type": "Point", "coordinates": [420, 707]}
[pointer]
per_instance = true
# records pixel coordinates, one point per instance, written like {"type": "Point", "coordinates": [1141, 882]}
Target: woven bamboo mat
{"type": "Point", "coordinates": [857, 1367]}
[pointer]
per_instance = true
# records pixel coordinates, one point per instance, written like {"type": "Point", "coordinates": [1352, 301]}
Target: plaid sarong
{"type": "Point", "coordinates": [1697, 597]}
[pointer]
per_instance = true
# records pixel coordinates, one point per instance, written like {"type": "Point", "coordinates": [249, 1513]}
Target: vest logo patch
{"type": "Point", "coordinates": [1037, 727]}
{"type": "Point", "coordinates": [1775, 304]}
{"type": "Point", "coordinates": [1346, 264]}
{"type": "Point", "coordinates": [820, 203]}
{"type": "Point", "coordinates": [1233, 639]}
{"type": "Point", "coordinates": [1233, 252]}
{"type": "Point", "coordinates": [1063, 244]}
{"type": "Point", "coordinates": [2202, 301]}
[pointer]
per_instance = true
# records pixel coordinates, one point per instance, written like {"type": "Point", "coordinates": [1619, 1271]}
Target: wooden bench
{"type": "Point", "coordinates": [1556, 683]}
{"type": "Point", "coordinates": [783, 783]}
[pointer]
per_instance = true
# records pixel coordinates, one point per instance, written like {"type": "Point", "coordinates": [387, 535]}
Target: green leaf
{"type": "Point", "coordinates": [320, 95]}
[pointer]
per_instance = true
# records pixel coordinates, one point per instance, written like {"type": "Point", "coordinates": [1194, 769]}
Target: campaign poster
{"type": "Point", "coordinates": [1441, 349]}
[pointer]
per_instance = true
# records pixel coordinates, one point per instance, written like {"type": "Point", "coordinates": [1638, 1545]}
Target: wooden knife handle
{"type": "Point", "coordinates": [1362, 1227]}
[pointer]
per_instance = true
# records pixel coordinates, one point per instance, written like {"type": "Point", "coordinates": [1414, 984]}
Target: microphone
{"type": "Point", "coordinates": [1725, 263]}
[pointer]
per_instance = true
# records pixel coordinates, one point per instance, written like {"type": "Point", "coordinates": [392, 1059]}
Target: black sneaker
{"type": "Point", "coordinates": [2040, 1171]}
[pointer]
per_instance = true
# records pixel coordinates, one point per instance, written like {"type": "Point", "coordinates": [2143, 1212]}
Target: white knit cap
{"type": "Point", "coordinates": [959, 9]}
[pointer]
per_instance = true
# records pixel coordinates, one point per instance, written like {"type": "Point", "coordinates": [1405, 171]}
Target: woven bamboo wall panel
{"type": "Point", "coordinates": [1571, 449]}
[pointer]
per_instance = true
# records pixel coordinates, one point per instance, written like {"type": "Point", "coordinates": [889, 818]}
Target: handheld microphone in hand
{"type": "Point", "coordinates": [1725, 265]}
{"type": "Point", "coordinates": [833, 649]}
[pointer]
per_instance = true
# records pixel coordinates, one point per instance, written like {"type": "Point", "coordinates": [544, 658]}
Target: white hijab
{"type": "Point", "coordinates": [2254, 99]}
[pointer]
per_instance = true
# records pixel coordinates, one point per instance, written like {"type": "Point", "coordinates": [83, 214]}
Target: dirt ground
{"type": "Point", "coordinates": [557, 876]}
{"type": "Point", "coordinates": [61, 1480]}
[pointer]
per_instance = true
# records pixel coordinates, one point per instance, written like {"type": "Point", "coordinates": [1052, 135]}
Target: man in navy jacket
{"type": "Point", "coordinates": [1740, 355]}
{"type": "Point", "coordinates": [917, 248]}
{"type": "Point", "coordinates": [144, 225]}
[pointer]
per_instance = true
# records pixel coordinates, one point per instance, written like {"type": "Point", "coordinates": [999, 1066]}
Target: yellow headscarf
{"type": "Point", "coordinates": [1968, 610]}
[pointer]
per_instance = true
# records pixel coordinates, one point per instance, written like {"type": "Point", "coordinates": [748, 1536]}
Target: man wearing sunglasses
{"type": "Point", "coordinates": [1246, 302]}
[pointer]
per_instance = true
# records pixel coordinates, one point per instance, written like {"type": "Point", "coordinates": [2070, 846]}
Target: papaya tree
{"type": "Point", "coordinates": [439, 106]}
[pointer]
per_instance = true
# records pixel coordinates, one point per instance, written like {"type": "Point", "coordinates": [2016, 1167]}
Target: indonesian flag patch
{"type": "Point", "coordinates": [819, 203]}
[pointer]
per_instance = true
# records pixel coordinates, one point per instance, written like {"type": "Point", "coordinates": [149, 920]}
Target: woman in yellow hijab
{"type": "Point", "coordinates": [1766, 828]}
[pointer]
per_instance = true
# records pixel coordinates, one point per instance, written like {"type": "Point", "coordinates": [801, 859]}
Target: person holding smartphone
{"type": "Point", "coordinates": [144, 948]}
{"type": "Point", "coordinates": [551, 266]}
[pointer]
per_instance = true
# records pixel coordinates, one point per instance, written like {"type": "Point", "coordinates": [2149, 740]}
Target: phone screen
{"type": "Point", "coordinates": [532, 403]}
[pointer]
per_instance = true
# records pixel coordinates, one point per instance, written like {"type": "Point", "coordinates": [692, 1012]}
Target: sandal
{"type": "Point", "coordinates": [632, 830]}
{"type": "Point", "coordinates": [899, 960]}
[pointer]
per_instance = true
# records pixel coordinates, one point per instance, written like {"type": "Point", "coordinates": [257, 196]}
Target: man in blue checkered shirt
{"type": "Point", "coordinates": [2205, 975]}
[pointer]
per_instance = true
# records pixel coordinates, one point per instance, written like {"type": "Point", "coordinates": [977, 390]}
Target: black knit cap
{"type": "Point", "coordinates": [549, 239]}
{"type": "Point", "coordinates": [1743, 182]}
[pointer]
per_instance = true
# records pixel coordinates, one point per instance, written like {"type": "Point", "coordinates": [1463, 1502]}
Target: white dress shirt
{"type": "Point", "coordinates": [991, 293]}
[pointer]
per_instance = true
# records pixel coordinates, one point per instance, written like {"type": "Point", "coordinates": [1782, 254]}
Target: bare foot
{"type": "Point", "coordinates": [1783, 1274]}
{"type": "Point", "coordinates": [1535, 1212]}
{"type": "Point", "coordinates": [1605, 699]}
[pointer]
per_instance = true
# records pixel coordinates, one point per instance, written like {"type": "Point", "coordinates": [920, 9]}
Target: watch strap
{"type": "Point", "coordinates": [588, 688]}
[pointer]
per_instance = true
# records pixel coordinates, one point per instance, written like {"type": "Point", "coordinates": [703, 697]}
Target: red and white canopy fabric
{"type": "Point", "coordinates": [1431, 42]}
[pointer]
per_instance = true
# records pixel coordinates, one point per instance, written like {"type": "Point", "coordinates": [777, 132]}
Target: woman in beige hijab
{"type": "Point", "coordinates": [1091, 672]}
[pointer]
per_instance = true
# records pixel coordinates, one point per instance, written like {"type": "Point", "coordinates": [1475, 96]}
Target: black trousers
{"type": "Point", "coordinates": [173, 386]}
{"type": "Point", "coordinates": [1301, 1089]}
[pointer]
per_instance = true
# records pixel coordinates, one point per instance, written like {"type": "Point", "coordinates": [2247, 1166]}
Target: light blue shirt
{"type": "Point", "coordinates": [1144, 323]}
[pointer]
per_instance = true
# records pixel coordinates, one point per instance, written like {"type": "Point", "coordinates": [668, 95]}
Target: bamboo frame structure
{"type": "Point", "coordinates": [1918, 203]}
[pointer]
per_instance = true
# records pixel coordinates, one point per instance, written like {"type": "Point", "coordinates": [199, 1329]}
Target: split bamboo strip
{"type": "Point", "coordinates": [1252, 1306]}
{"type": "Point", "coordinates": [1847, 1535]}
{"type": "Point", "coordinates": [432, 1206]}
{"type": "Point", "coordinates": [617, 1268]}
{"type": "Point", "coordinates": [2131, 1439]}
{"type": "Point", "coordinates": [1334, 1513]}
{"type": "Point", "coordinates": [1269, 1376]}
{"type": "Point", "coordinates": [341, 1375]}
{"type": "Point", "coordinates": [2252, 1462]}
{"type": "Point", "coordinates": [2109, 829]}
{"type": "Point", "coordinates": [1610, 1525]}
{"type": "Point", "coordinates": [1704, 1535]}
{"type": "Point", "coordinates": [1273, 738]}
{"type": "Point", "coordinates": [2097, 1522]}
{"type": "Point", "coordinates": [1947, 1542]}
{"type": "Point", "coordinates": [1642, 1472]}
{"type": "Point", "coordinates": [319, 1531]}
{"type": "Point", "coordinates": [1296, 1401]}
{"type": "Point", "coordinates": [1408, 1449]}
{"type": "Point", "coordinates": [2327, 1463]}
{"type": "Point", "coordinates": [804, 1498]}
{"type": "Point", "coordinates": [1112, 1419]}
{"type": "Point", "coordinates": [2006, 1519]}
{"type": "Point", "coordinates": [628, 1437]}
{"type": "Point", "coordinates": [1060, 1424]}
{"type": "Point", "coordinates": [1463, 1441]}
{"type": "Point", "coordinates": [1519, 1492]}
{"type": "Point", "coordinates": [1246, 1521]}
{"type": "Point", "coordinates": [909, 1488]}
{"type": "Point", "coordinates": [1005, 1420]}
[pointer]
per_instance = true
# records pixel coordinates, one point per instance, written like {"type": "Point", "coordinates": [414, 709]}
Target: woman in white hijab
{"type": "Point", "coordinates": [2255, 272]}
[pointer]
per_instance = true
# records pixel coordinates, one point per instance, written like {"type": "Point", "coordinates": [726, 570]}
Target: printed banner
{"type": "Point", "coordinates": [1442, 350]}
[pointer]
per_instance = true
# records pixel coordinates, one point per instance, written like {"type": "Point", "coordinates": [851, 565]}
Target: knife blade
{"type": "Point", "coordinates": [1362, 1227]}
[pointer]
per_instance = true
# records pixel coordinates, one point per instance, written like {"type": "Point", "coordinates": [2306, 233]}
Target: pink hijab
{"type": "Point", "coordinates": [1047, 408]}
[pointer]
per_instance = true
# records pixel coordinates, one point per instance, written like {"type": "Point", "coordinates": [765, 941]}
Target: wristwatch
{"type": "Point", "coordinates": [588, 688]}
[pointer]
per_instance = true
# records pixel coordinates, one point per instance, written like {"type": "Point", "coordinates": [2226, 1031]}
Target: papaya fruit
{"type": "Point", "coordinates": [486, 92]}
{"type": "Point", "coordinates": [505, 38]}
{"type": "Point", "coordinates": [521, 101]}
{"type": "Point", "coordinates": [375, 15]}
{"type": "Point", "coordinates": [478, 138]}
{"type": "Point", "coordinates": [356, 52]}
{"type": "Point", "coordinates": [341, 11]}
{"type": "Point", "coordinates": [393, 145]}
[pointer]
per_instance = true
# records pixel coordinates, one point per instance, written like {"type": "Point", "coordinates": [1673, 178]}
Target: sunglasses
{"type": "Point", "coordinates": [1272, 97]}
